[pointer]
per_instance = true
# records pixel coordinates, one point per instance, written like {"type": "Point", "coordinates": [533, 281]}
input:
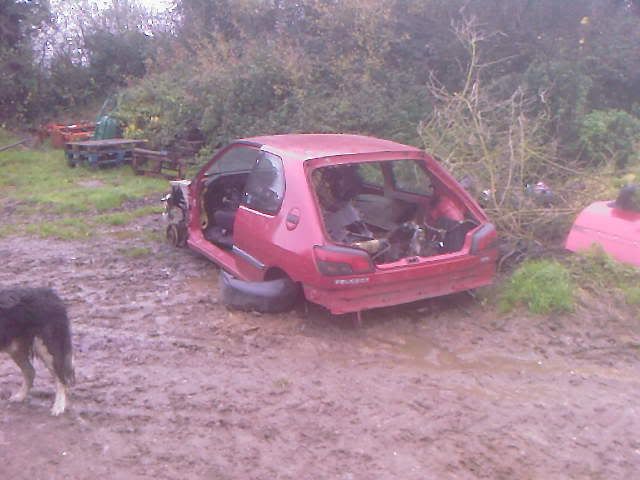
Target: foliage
{"type": "Point", "coordinates": [609, 136]}
{"type": "Point", "coordinates": [19, 20]}
{"type": "Point", "coordinates": [497, 143]}
{"type": "Point", "coordinates": [542, 286]}
{"type": "Point", "coordinates": [526, 95]}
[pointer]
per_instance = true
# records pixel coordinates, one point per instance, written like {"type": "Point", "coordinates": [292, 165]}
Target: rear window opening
{"type": "Point", "coordinates": [392, 209]}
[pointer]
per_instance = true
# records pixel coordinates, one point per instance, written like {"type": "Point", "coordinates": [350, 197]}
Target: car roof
{"type": "Point", "coordinates": [317, 145]}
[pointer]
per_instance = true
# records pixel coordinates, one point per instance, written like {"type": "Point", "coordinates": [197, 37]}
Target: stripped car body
{"type": "Point", "coordinates": [613, 225]}
{"type": "Point", "coordinates": [356, 222]}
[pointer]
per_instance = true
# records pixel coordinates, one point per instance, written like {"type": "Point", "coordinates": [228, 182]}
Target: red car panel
{"type": "Point", "coordinates": [615, 229]}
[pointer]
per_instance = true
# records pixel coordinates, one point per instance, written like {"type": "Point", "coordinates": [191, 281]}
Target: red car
{"type": "Point", "coordinates": [352, 222]}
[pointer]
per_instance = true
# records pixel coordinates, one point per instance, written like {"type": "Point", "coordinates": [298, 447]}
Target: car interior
{"type": "Point", "coordinates": [392, 209]}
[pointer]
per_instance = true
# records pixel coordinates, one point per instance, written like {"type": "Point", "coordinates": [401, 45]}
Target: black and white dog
{"type": "Point", "coordinates": [34, 321]}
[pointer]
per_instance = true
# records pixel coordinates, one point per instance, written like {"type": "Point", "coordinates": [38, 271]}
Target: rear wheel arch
{"type": "Point", "coordinates": [275, 273]}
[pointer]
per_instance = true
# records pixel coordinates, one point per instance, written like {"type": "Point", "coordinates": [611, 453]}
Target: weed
{"type": "Point", "coordinates": [543, 286]}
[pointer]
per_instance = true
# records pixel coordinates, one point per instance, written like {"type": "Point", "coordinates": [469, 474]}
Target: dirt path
{"type": "Point", "coordinates": [170, 385]}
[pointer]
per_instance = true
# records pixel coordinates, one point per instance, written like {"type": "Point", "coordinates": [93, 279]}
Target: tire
{"type": "Point", "coordinates": [269, 296]}
{"type": "Point", "coordinates": [177, 234]}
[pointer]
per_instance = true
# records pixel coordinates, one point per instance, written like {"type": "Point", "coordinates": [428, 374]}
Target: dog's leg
{"type": "Point", "coordinates": [19, 351]}
{"type": "Point", "coordinates": [60, 402]}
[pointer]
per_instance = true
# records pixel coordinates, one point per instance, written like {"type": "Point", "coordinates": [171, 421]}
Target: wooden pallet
{"type": "Point", "coordinates": [157, 164]}
{"type": "Point", "coordinates": [101, 153]}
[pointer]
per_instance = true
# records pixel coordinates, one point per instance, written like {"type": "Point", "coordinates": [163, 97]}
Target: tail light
{"type": "Point", "coordinates": [333, 260]}
{"type": "Point", "coordinates": [485, 237]}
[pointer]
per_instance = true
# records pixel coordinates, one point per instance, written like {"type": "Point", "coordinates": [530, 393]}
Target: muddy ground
{"type": "Point", "coordinates": [171, 385]}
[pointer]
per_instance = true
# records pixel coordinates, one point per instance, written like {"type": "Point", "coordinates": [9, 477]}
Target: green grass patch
{"type": "Point", "coordinates": [65, 229]}
{"type": "Point", "coordinates": [54, 200]}
{"type": "Point", "coordinates": [123, 218]}
{"type": "Point", "coordinates": [43, 178]}
{"type": "Point", "coordinates": [542, 286]}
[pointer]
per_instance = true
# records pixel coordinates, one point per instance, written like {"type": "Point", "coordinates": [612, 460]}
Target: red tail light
{"type": "Point", "coordinates": [485, 237]}
{"type": "Point", "coordinates": [333, 260]}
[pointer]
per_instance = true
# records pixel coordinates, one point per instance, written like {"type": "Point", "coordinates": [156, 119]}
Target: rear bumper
{"type": "Point", "coordinates": [355, 298]}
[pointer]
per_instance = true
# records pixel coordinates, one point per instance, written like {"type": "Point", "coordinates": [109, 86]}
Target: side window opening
{"type": "Point", "coordinates": [236, 160]}
{"type": "Point", "coordinates": [371, 174]}
{"type": "Point", "coordinates": [265, 186]}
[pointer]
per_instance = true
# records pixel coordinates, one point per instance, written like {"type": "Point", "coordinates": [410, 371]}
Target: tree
{"type": "Point", "coordinates": [20, 21]}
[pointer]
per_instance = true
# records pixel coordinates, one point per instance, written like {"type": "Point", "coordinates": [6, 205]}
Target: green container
{"type": "Point", "coordinates": [107, 127]}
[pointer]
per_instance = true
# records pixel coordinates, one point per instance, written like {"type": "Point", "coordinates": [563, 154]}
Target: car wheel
{"type": "Point", "coordinates": [268, 296]}
{"type": "Point", "coordinates": [176, 234]}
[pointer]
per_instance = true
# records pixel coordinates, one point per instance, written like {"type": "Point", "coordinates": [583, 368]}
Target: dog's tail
{"type": "Point", "coordinates": [57, 338]}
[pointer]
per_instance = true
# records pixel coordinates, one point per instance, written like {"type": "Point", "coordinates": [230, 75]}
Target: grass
{"type": "Point", "coordinates": [64, 229]}
{"type": "Point", "coordinates": [68, 203]}
{"type": "Point", "coordinates": [546, 286]}
{"type": "Point", "coordinates": [42, 177]}
{"type": "Point", "coordinates": [542, 286]}
{"type": "Point", "coordinates": [123, 218]}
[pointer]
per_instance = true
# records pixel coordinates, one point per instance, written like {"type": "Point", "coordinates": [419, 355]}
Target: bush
{"type": "Point", "coordinates": [497, 142]}
{"type": "Point", "coordinates": [543, 286]}
{"type": "Point", "coordinates": [608, 136]}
